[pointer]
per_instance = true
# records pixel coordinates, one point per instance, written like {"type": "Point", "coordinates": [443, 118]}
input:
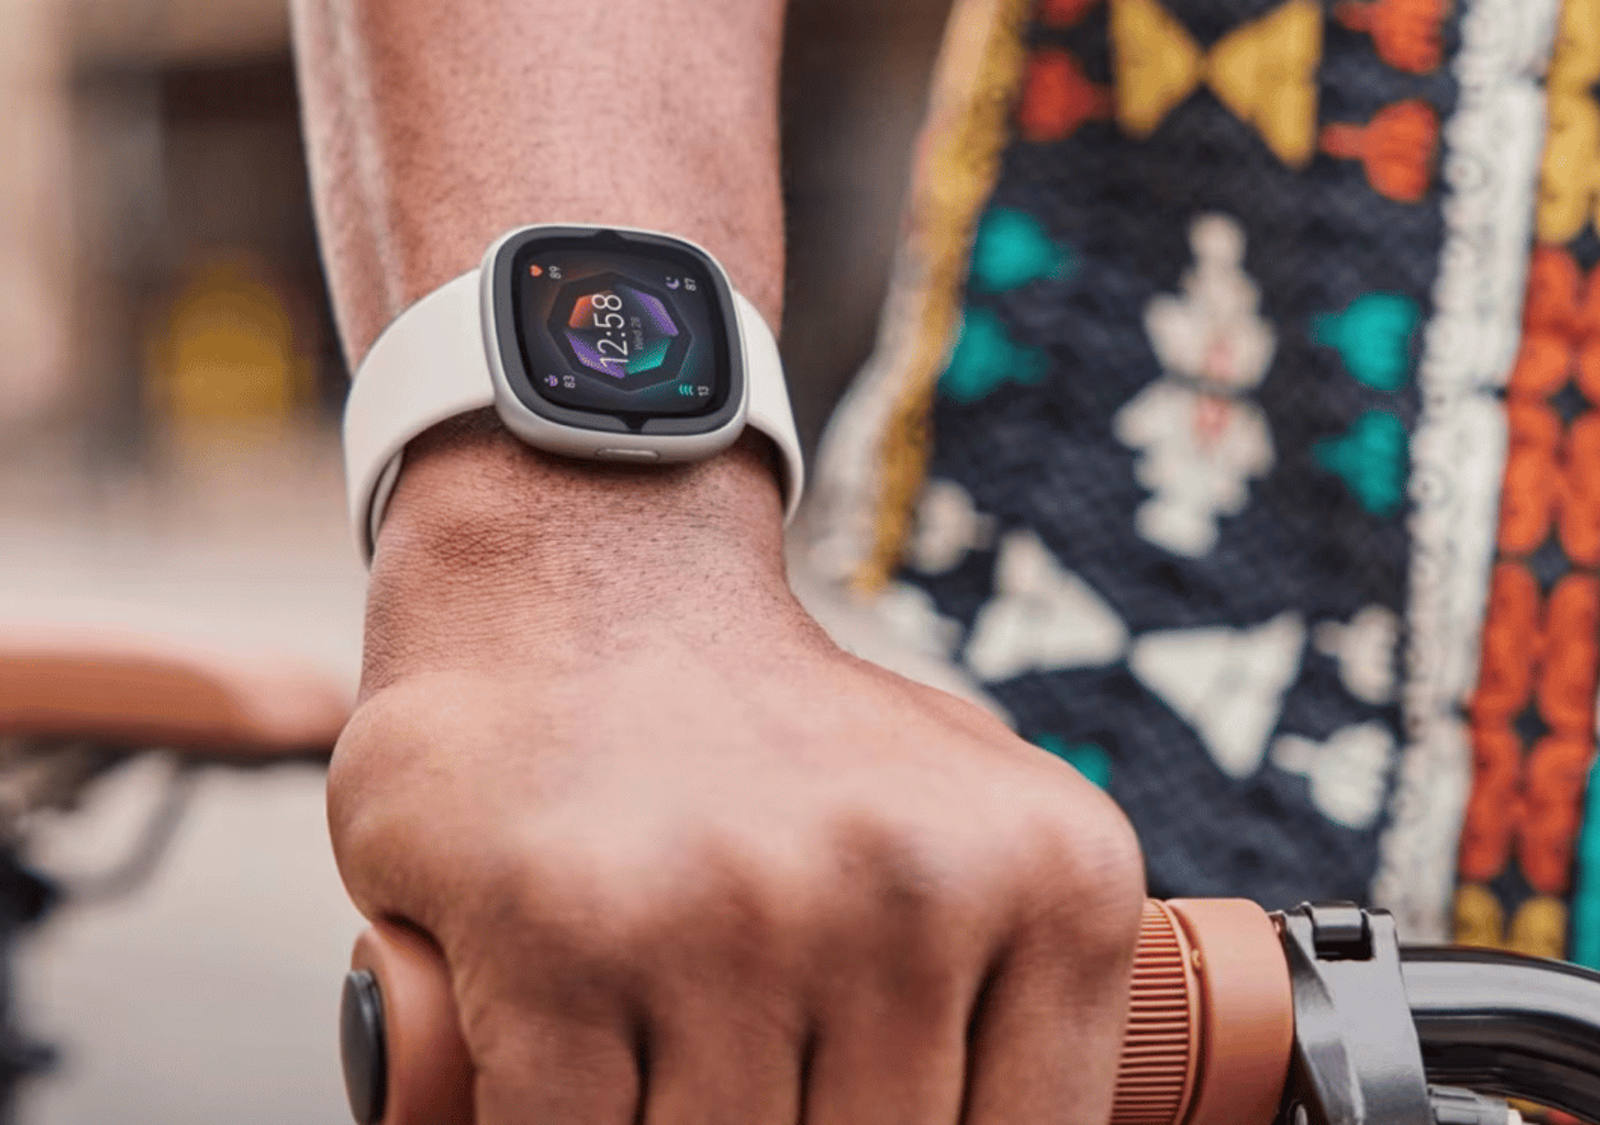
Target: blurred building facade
{"type": "Point", "coordinates": [156, 142]}
{"type": "Point", "coordinates": [158, 265]}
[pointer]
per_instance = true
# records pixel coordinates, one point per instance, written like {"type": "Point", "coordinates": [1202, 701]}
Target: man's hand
{"type": "Point", "coordinates": [689, 863]}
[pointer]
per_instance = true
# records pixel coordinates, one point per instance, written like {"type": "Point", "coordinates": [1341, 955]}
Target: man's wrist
{"type": "Point", "coordinates": [488, 543]}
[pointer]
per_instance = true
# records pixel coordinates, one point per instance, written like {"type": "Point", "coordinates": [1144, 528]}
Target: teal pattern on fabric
{"type": "Point", "coordinates": [1585, 948]}
{"type": "Point", "coordinates": [985, 357]}
{"type": "Point", "coordinates": [1374, 335]}
{"type": "Point", "coordinates": [1087, 758]}
{"type": "Point", "coordinates": [1012, 249]}
{"type": "Point", "coordinates": [1371, 460]}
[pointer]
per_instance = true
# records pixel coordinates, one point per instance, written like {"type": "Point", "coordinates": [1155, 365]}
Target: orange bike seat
{"type": "Point", "coordinates": [141, 691]}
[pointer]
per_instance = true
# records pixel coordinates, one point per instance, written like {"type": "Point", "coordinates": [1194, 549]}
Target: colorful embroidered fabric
{"type": "Point", "coordinates": [1533, 712]}
{"type": "Point", "coordinates": [1212, 438]}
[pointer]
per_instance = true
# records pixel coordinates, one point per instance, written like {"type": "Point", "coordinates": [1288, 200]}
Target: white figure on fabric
{"type": "Point", "coordinates": [909, 614]}
{"type": "Point", "coordinates": [1347, 773]}
{"type": "Point", "coordinates": [1365, 650]}
{"type": "Point", "coordinates": [1200, 436]}
{"type": "Point", "coordinates": [1042, 617]}
{"type": "Point", "coordinates": [1226, 684]}
{"type": "Point", "coordinates": [947, 526]}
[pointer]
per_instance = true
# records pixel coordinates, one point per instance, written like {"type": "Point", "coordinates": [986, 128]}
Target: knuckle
{"type": "Point", "coordinates": [557, 903]}
{"type": "Point", "coordinates": [895, 910]}
{"type": "Point", "coordinates": [894, 865]}
{"type": "Point", "coordinates": [906, 904]}
{"type": "Point", "coordinates": [710, 904]}
{"type": "Point", "coordinates": [1087, 874]}
{"type": "Point", "coordinates": [720, 903]}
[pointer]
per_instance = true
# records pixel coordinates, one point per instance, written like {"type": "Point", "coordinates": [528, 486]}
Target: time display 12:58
{"type": "Point", "coordinates": [608, 315]}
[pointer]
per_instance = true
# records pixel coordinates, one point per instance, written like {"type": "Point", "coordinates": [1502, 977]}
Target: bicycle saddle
{"type": "Point", "coordinates": [132, 690]}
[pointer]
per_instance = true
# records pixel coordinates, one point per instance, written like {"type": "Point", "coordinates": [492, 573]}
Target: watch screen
{"type": "Point", "coordinates": [621, 331]}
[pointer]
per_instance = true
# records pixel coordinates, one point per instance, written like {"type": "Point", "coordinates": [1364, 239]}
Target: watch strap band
{"type": "Point", "coordinates": [768, 411]}
{"type": "Point", "coordinates": [430, 365]}
{"type": "Point", "coordinates": [416, 375]}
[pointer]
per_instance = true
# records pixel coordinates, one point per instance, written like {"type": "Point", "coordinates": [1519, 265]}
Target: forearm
{"type": "Point", "coordinates": [432, 129]}
{"type": "Point", "coordinates": [435, 127]}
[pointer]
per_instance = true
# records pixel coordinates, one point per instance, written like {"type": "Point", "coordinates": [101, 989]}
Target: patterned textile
{"type": "Point", "coordinates": [1237, 390]}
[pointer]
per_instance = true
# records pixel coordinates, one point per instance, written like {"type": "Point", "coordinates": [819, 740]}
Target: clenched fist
{"type": "Point", "coordinates": [691, 864]}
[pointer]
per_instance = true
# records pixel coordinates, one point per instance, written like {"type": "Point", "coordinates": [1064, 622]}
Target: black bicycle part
{"type": "Point", "coordinates": [1356, 1060]}
{"type": "Point", "coordinates": [1520, 1027]}
{"type": "Point", "coordinates": [362, 1048]}
{"type": "Point", "coordinates": [26, 897]}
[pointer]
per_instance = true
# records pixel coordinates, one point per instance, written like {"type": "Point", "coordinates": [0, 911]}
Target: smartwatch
{"type": "Point", "coordinates": [601, 343]}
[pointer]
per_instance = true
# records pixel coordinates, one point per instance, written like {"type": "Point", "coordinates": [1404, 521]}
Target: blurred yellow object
{"type": "Point", "coordinates": [1480, 919]}
{"type": "Point", "coordinates": [1264, 71]}
{"type": "Point", "coordinates": [227, 350]}
{"type": "Point", "coordinates": [1538, 929]}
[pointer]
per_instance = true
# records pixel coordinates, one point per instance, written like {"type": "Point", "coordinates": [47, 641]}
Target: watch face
{"type": "Point", "coordinates": [625, 327]}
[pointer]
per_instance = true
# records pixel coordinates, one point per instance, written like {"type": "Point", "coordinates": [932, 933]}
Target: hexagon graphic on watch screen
{"type": "Point", "coordinates": [624, 332]}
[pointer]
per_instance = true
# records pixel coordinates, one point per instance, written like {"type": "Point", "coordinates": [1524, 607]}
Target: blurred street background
{"type": "Point", "coordinates": [170, 387]}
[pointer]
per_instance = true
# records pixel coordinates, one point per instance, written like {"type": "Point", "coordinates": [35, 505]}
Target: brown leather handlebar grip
{"type": "Point", "coordinates": [1210, 1024]}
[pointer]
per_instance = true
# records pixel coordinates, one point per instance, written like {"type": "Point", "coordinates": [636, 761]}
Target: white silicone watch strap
{"type": "Point", "coordinates": [426, 367]}
{"type": "Point", "coordinates": [430, 365]}
{"type": "Point", "coordinates": [769, 411]}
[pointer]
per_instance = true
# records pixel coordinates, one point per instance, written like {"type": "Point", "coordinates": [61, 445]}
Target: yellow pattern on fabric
{"type": "Point", "coordinates": [1538, 928]}
{"type": "Point", "coordinates": [980, 79]}
{"type": "Point", "coordinates": [1157, 64]}
{"type": "Point", "coordinates": [1569, 190]}
{"type": "Point", "coordinates": [1263, 72]}
{"type": "Point", "coordinates": [1480, 919]}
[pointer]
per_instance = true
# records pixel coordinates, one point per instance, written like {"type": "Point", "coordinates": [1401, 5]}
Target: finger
{"type": "Point", "coordinates": [724, 1059]}
{"type": "Point", "coordinates": [892, 1057]}
{"type": "Point", "coordinates": [1048, 1032]}
{"type": "Point", "coordinates": [554, 1070]}
{"type": "Point", "coordinates": [879, 1070]}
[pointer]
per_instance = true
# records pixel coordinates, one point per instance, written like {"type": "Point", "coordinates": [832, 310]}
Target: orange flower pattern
{"type": "Point", "coordinates": [1408, 34]}
{"type": "Point", "coordinates": [1397, 148]}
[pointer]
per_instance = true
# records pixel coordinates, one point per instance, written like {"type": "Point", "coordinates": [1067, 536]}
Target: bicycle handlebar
{"type": "Point", "coordinates": [1208, 1040]}
{"type": "Point", "coordinates": [1311, 1016]}
{"type": "Point", "coordinates": [1508, 1025]}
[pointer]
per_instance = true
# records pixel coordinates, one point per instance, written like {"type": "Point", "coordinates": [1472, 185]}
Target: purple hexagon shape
{"type": "Point", "coordinates": [648, 346]}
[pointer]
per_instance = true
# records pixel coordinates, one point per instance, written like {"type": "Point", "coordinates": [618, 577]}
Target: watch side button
{"type": "Point", "coordinates": [637, 456]}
